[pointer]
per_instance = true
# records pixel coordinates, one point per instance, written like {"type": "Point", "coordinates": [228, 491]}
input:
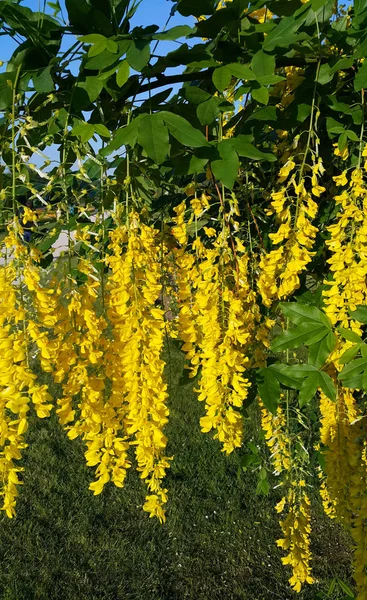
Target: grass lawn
{"type": "Point", "coordinates": [218, 542]}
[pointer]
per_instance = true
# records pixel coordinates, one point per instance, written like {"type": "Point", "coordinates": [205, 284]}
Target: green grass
{"type": "Point", "coordinates": [218, 542]}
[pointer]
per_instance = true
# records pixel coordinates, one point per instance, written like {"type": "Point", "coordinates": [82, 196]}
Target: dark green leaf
{"type": "Point", "coordinates": [6, 92]}
{"type": "Point", "coordinates": [325, 74]}
{"type": "Point", "coordinates": [359, 7]}
{"type": "Point", "coordinates": [360, 80]}
{"type": "Point", "coordinates": [262, 487]}
{"type": "Point", "coordinates": [260, 94]}
{"type": "Point", "coordinates": [153, 136]}
{"type": "Point", "coordinates": [174, 33]}
{"type": "Point", "coordinates": [320, 351]}
{"type": "Point", "coordinates": [183, 131]}
{"type": "Point", "coordinates": [197, 165]}
{"type": "Point", "coordinates": [298, 313]}
{"type": "Point", "coordinates": [192, 7]}
{"type": "Point", "coordinates": [316, 4]}
{"type": "Point", "coordinates": [268, 389]}
{"type": "Point", "coordinates": [263, 64]}
{"type": "Point", "coordinates": [43, 82]}
{"type": "Point", "coordinates": [124, 136]}
{"type": "Point", "coordinates": [334, 126]}
{"type": "Point", "coordinates": [92, 86]}
{"type": "Point", "coordinates": [123, 73]}
{"type": "Point", "coordinates": [194, 94]}
{"type": "Point", "coordinates": [241, 71]}
{"type": "Point", "coordinates": [244, 148]}
{"type": "Point", "coordinates": [343, 141]}
{"type": "Point", "coordinates": [222, 78]}
{"type": "Point", "coordinates": [351, 375]}
{"type": "Point", "coordinates": [292, 376]}
{"type": "Point", "coordinates": [349, 354]}
{"type": "Point", "coordinates": [350, 335]}
{"type": "Point", "coordinates": [226, 170]}
{"type": "Point", "coordinates": [304, 334]}
{"type": "Point", "coordinates": [327, 385]}
{"type": "Point", "coordinates": [360, 314]}
{"type": "Point", "coordinates": [208, 111]}
{"type": "Point", "coordinates": [283, 34]}
{"type": "Point", "coordinates": [138, 54]}
{"type": "Point", "coordinates": [308, 388]}
{"type": "Point", "coordinates": [102, 130]}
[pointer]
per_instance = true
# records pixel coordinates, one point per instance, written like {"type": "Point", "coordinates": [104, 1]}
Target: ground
{"type": "Point", "coordinates": [218, 542]}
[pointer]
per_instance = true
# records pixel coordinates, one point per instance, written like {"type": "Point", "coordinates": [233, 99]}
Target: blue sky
{"type": "Point", "coordinates": [149, 12]}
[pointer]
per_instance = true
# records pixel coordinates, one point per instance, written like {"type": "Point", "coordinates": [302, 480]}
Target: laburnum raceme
{"type": "Point", "coordinates": [133, 362]}
{"type": "Point", "coordinates": [296, 525]}
{"type": "Point", "coordinates": [342, 425]}
{"type": "Point", "coordinates": [217, 319]}
{"type": "Point", "coordinates": [294, 208]}
{"type": "Point", "coordinates": [18, 387]}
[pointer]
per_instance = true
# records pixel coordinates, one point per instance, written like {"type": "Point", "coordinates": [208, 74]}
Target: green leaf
{"type": "Point", "coordinates": [208, 111]}
{"type": "Point", "coordinates": [304, 334]}
{"type": "Point", "coordinates": [352, 135]}
{"type": "Point", "coordinates": [283, 34]}
{"type": "Point", "coordinates": [244, 148]}
{"type": "Point", "coordinates": [241, 72]}
{"type": "Point", "coordinates": [226, 170]}
{"type": "Point", "coordinates": [222, 78]}
{"type": "Point", "coordinates": [342, 141]}
{"type": "Point", "coordinates": [333, 126]}
{"type": "Point", "coordinates": [93, 87]}
{"type": "Point", "coordinates": [84, 131]}
{"type": "Point", "coordinates": [138, 54]}
{"type": "Point", "coordinates": [102, 130]}
{"type": "Point", "coordinates": [97, 48]}
{"type": "Point", "coordinates": [350, 335]}
{"type": "Point", "coordinates": [262, 488]}
{"type": "Point", "coordinates": [111, 46]}
{"type": "Point", "coordinates": [43, 82]}
{"type": "Point", "coordinates": [268, 389]}
{"type": "Point", "coordinates": [124, 136]}
{"type": "Point", "coordinates": [269, 79]}
{"type": "Point", "coordinates": [153, 136]}
{"type": "Point", "coordinates": [325, 74]}
{"type": "Point", "coordinates": [320, 351]}
{"type": "Point", "coordinates": [308, 388]}
{"type": "Point", "coordinates": [360, 80]}
{"type": "Point", "coordinates": [194, 94]}
{"type": "Point", "coordinates": [327, 385]}
{"type": "Point", "coordinates": [298, 313]}
{"type": "Point", "coordinates": [292, 376]}
{"type": "Point", "coordinates": [343, 63]}
{"type": "Point", "coordinates": [6, 92]}
{"type": "Point", "coordinates": [360, 314]}
{"type": "Point", "coordinates": [123, 73]}
{"type": "Point", "coordinates": [351, 375]}
{"type": "Point", "coordinates": [260, 94]}
{"type": "Point", "coordinates": [349, 354]}
{"type": "Point", "coordinates": [263, 64]}
{"type": "Point", "coordinates": [192, 7]}
{"type": "Point", "coordinates": [316, 4]}
{"type": "Point", "coordinates": [93, 38]}
{"type": "Point", "coordinates": [174, 33]}
{"type": "Point", "coordinates": [197, 165]}
{"type": "Point", "coordinates": [343, 586]}
{"type": "Point", "coordinates": [183, 131]}
{"type": "Point", "coordinates": [359, 7]}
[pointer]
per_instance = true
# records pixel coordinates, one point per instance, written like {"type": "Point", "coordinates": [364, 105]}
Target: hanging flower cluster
{"type": "Point", "coordinates": [294, 207]}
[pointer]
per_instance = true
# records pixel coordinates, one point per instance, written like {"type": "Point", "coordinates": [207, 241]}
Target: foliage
{"type": "Point", "coordinates": [226, 210]}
